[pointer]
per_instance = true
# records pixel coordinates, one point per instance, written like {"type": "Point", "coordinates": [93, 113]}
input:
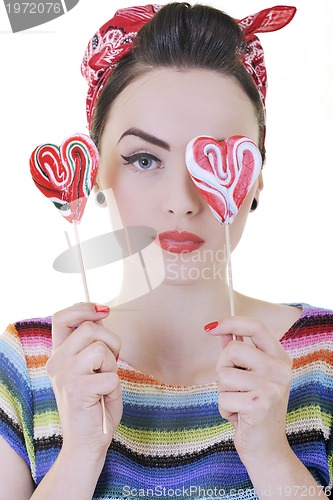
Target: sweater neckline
{"type": "Point", "coordinates": [212, 385]}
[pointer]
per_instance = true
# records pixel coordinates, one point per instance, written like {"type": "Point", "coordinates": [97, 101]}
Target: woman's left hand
{"type": "Point", "coordinates": [254, 384]}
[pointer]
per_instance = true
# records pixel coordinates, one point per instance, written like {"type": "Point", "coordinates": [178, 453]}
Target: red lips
{"type": "Point", "coordinates": [179, 241]}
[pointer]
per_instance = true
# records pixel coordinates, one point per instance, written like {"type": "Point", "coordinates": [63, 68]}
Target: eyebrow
{"type": "Point", "coordinates": [146, 137]}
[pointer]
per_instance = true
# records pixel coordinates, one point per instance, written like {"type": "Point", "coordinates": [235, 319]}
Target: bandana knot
{"type": "Point", "coordinates": [265, 21]}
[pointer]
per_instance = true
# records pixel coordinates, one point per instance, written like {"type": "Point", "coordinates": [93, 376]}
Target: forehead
{"type": "Point", "coordinates": [189, 103]}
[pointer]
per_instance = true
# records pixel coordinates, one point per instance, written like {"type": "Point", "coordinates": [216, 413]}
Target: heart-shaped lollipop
{"type": "Point", "coordinates": [223, 172]}
{"type": "Point", "coordinates": [67, 174]}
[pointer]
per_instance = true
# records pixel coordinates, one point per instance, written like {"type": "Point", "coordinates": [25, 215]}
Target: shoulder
{"type": "Point", "coordinates": [30, 338]}
{"type": "Point", "coordinates": [39, 328]}
{"type": "Point", "coordinates": [290, 320]}
{"type": "Point", "coordinates": [310, 339]}
{"type": "Point", "coordinates": [25, 348]}
{"type": "Point", "coordinates": [313, 322]}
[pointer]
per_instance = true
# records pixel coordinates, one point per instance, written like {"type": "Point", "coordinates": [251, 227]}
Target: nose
{"type": "Point", "coordinates": [181, 195]}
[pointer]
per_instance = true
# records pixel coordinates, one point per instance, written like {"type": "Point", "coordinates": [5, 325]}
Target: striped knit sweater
{"type": "Point", "coordinates": [172, 441]}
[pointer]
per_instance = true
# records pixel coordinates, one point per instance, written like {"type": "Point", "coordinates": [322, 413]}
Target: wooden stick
{"type": "Point", "coordinates": [80, 256]}
{"type": "Point", "coordinates": [230, 282]}
{"type": "Point", "coordinates": [86, 292]}
{"type": "Point", "coordinates": [231, 285]}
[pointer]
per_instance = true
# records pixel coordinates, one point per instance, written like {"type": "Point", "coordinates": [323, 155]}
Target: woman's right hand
{"type": "Point", "coordinates": [82, 368]}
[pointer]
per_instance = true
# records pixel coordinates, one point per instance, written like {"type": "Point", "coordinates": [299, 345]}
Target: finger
{"type": "Point", "coordinates": [66, 321]}
{"type": "Point", "coordinates": [96, 357]}
{"type": "Point", "coordinates": [87, 333]}
{"type": "Point", "coordinates": [231, 403]}
{"type": "Point", "coordinates": [225, 339]}
{"type": "Point", "coordinates": [248, 382]}
{"type": "Point", "coordinates": [90, 388]}
{"type": "Point", "coordinates": [225, 409]}
{"type": "Point", "coordinates": [103, 384]}
{"type": "Point", "coordinates": [253, 328]}
{"type": "Point", "coordinates": [269, 398]}
{"type": "Point", "coordinates": [240, 356]}
{"type": "Point", "coordinates": [231, 380]}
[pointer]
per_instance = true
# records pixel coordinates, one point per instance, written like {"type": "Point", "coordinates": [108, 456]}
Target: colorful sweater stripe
{"type": "Point", "coordinates": [172, 441]}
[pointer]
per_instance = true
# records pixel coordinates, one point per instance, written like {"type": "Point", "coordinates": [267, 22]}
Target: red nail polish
{"type": "Point", "coordinates": [101, 309]}
{"type": "Point", "coordinates": [211, 326]}
{"type": "Point", "coordinates": [117, 357]}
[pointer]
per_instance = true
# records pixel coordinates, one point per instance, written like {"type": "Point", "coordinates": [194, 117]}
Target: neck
{"type": "Point", "coordinates": [163, 329]}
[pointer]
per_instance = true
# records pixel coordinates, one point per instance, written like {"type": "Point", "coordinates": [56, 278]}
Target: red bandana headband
{"type": "Point", "coordinates": [115, 39]}
{"type": "Point", "coordinates": [110, 44]}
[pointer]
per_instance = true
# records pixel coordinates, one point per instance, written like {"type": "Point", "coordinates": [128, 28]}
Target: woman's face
{"type": "Point", "coordinates": [143, 155]}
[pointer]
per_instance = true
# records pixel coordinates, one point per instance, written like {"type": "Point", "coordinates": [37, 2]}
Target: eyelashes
{"type": "Point", "coordinates": [142, 161]}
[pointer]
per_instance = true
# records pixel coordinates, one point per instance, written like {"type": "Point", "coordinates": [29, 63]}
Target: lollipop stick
{"type": "Point", "coordinates": [83, 272]}
{"type": "Point", "coordinates": [231, 287]}
{"type": "Point", "coordinates": [85, 286]}
{"type": "Point", "coordinates": [230, 282]}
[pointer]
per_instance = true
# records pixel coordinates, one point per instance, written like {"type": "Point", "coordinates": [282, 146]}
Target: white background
{"type": "Point", "coordinates": [286, 251]}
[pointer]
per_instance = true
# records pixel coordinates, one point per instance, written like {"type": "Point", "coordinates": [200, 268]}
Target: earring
{"type": "Point", "coordinates": [100, 198]}
{"type": "Point", "coordinates": [254, 204]}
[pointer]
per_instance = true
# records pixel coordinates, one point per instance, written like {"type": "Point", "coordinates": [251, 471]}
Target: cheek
{"type": "Point", "coordinates": [107, 171]}
{"type": "Point", "coordinates": [112, 180]}
{"type": "Point", "coordinates": [126, 193]}
{"type": "Point", "coordinates": [120, 195]}
{"type": "Point", "coordinates": [135, 206]}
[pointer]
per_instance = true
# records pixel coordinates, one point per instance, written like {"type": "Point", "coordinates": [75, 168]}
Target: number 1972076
{"type": "Point", "coordinates": [34, 8]}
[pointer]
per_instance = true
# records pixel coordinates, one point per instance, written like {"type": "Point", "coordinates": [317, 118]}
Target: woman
{"type": "Point", "coordinates": [264, 429]}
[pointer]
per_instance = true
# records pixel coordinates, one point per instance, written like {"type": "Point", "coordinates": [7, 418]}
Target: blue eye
{"type": "Point", "coordinates": [142, 161]}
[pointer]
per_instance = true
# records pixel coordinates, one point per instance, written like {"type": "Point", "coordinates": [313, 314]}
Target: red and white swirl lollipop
{"type": "Point", "coordinates": [224, 173]}
{"type": "Point", "coordinates": [66, 175]}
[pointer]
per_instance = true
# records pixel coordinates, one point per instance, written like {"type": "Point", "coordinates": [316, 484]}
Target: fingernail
{"type": "Point", "coordinates": [101, 309]}
{"type": "Point", "coordinates": [211, 326]}
{"type": "Point", "coordinates": [117, 357]}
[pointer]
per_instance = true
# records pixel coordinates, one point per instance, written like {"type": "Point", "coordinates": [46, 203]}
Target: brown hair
{"type": "Point", "coordinates": [184, 37]}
